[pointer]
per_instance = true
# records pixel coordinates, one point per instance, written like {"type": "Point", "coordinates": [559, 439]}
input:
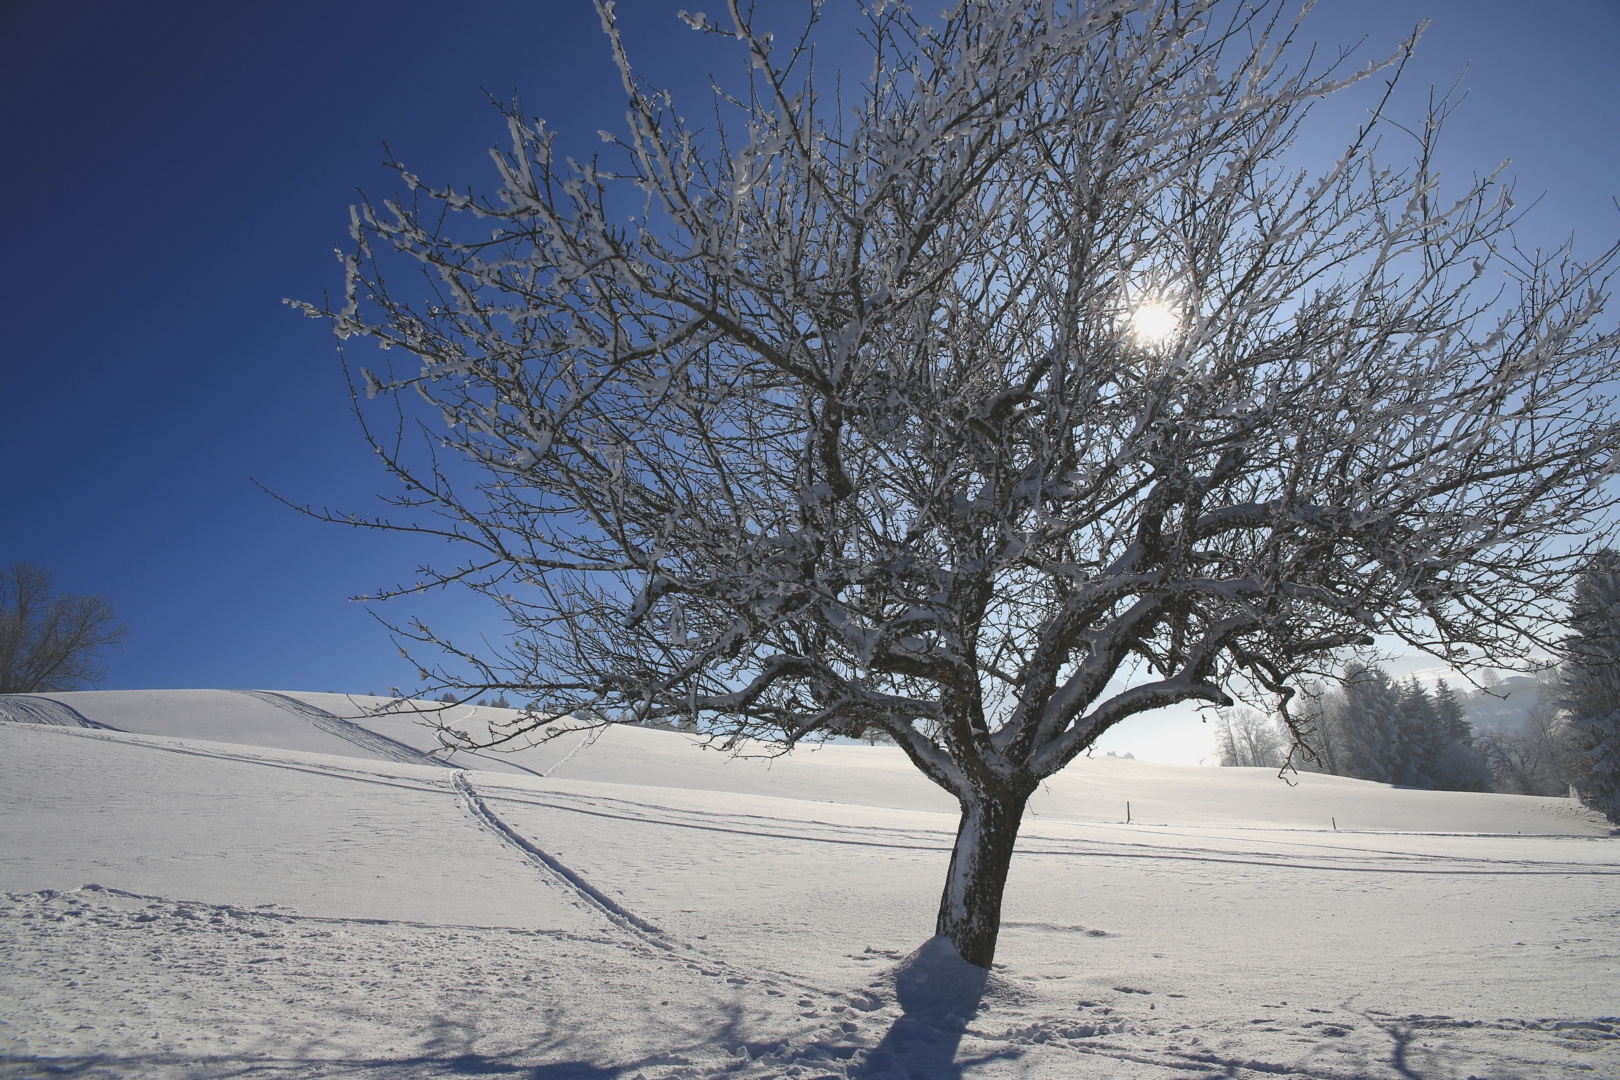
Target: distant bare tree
{"type": "Point", "coordinates": [1541, 759]}
{"type": "Point", "coordinates": [50, 642]}
{"type": "Point", "coordinates": [1022, 394]}
{"type": "Point", "coordinates": [1248, 740]}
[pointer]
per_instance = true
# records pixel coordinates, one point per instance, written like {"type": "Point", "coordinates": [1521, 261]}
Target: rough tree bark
{"type": "Point", "coordinates": [970, 907]}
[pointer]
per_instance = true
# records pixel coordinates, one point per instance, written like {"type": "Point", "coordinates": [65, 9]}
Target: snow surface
{"type": "Point", "coordinates": [224, 883]}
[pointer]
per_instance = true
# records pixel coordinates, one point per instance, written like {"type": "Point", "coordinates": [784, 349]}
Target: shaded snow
{"type": "Point", "coordinates": [181, 900]}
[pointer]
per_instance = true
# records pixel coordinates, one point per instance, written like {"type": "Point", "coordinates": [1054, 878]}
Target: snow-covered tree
{"type": "Point", "coordinates": [1448, 709]}
{"type": "Point", "coordinates": [1372, 728]}
{"type": "Point", "coordinates": [1453, 763]}
{"type": "Point", "coordinates": [1016, 393]}
{"type": "Point", "coordinates": [1591, 681]}
{"type": "Point", "coordinates": [1246, 739]}
{"type": "Point", "coordinates": [1543, 758]}
{"type": "Point", "coordinates": [1394, 732]}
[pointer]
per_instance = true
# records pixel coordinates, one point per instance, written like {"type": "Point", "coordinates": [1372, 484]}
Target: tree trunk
{"type": "Point", "coordinates": [970, 909]}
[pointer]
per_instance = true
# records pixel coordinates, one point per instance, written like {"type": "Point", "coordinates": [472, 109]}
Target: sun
{"type": "Point", "coordinates": [1154, 323]}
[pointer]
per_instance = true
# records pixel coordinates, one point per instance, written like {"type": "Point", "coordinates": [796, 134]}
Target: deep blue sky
{"type": "Point", "coordinates": [170, 171]}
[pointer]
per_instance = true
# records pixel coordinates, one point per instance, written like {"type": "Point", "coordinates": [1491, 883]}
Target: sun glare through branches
{"type": "Point", "coordinates": [1153, 323]}
{"type": "Point", "coordinates": [946, 416]}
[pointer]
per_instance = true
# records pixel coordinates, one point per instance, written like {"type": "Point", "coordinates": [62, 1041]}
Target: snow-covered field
{"type": "Point", "coordinates": [226, 884]}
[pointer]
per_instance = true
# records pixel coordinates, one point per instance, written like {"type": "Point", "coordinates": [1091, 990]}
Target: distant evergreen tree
{"type": "Point", "coordinates": [1591, 681]}
{"type": "Point", "coordinates": [1368, 718]}
{"type": "Point", "coordinates": [1374, 728]}
{"type": "Point", "coordinates": [1450, 712]}
{"type": "Point", "coordinates": [1420, 740]}
{"type": "Point", "coordinates": [1459, 766]}
{"type": "Point", "coordinates": [1455, 763]}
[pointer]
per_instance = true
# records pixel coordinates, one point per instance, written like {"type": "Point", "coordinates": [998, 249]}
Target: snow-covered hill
{"type": "Point", "coordinates": [212, 883]}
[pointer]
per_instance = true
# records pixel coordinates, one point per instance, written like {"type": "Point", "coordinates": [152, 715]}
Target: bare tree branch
{"type": "Point", "coordinates": [854, 423]}
{"type": "Point", "coordinates": [51, 642]}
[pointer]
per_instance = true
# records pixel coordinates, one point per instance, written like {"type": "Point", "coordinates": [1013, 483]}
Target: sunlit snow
{"type": "Point", "coordinates": [227, 884]}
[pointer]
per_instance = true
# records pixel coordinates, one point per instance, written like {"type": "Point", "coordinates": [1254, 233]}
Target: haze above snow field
{"type": "Point", "coordinates": [1184, 734]}
{"type": "Point", "coordinates": [222, 883]}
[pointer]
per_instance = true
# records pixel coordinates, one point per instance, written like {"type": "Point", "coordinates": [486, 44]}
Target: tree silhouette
{"type": "Point", "coordinates": [50, 642]}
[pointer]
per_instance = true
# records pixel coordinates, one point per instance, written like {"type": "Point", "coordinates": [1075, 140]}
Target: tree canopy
{"type": "Point", "coordinates": [1019, 392]}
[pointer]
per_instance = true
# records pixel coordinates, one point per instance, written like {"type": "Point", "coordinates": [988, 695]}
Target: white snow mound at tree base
{"type": "Point", "coordinates": [180, 900]}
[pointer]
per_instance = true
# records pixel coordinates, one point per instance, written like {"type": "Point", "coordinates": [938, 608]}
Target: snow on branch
{"type": "Point", "coordinates": [853, 423]}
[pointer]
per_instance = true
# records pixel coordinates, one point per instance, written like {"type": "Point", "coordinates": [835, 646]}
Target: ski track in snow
{"type": "Point", "coordinates": [1354, 860]}
{"type": "Point", "coordinates": [642, 930]}
{"type": "Point", "coordinates": [269, 759]}
{"type": "Point", "coordinates": [103, 982]}
{"type": "Point", "coordinates": [627, 919]}
{"type": "Point", "coordinates": [33, 709]}
{"type": "Point", "coordinates": [379, 745]}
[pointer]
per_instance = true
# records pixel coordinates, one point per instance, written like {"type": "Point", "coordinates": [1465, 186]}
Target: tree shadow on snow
{"type": "Point", "coordinates": [479, 1065]}
{"type": "Point", "coordinates": [445, 1050]}
{"type": "Point", "coordinates": [939, 993]}
{"type": "Point", "coordinates": [107, 1065]}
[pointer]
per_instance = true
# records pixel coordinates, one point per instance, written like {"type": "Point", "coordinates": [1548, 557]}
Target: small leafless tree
{"type": "Point", "coordinates": [50, 642]}
{"type": "Point", "coordinates": [1246, 739]}
{"type": "Point", "coordinates": [1018, 395]}
{"type": "Point", "coordinates": [1541, 759]}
